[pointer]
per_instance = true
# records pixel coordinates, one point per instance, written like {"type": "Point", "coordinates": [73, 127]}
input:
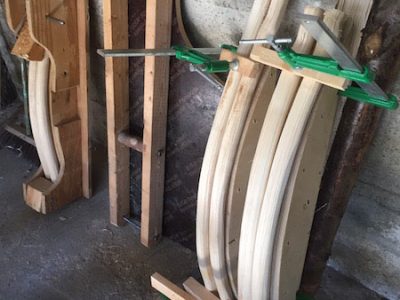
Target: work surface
{"type": "Point", "coordinates": [76, 254]}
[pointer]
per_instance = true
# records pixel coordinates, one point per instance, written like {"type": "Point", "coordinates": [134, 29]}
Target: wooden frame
{"type": "Point", "coordinates": [66, 46]}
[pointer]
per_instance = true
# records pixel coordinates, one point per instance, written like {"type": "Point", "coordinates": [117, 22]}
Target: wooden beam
{"type": "Point", "coordinates": [156, 84]}
{"type": "Point", "coordinates": [26, 48]}
{"type": "Point", "coordinates": [270, 57]}
{"type": "Point", "coordinates": [167, 288]}
{"type": "Point", "coordinates": [130, 141]}
{"type": "Point", "coordinates": [15, 13]}
{"type": "Point", "coordinates": [83, 101]}
{"type": "Point", "coordinates": [117, 92]}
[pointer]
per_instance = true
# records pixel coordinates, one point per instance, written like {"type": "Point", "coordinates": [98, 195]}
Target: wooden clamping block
{"type": "Point", "coordinates": [59, 28]}
{"type": "Point", "coordinates": [270, 57]}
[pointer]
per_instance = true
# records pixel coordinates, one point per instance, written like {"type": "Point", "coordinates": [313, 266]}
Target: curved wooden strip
{"type": "Point", "coordinates": [46, 145]}
{"type": "Point", "coordinates": [227, 153]}
{"type": "Point", "coordinates": [268, 139]}
{"type": "Point", "coordinates": [301, 194]}
{"type": "Point", "coordinates": [206, 177]}
{"type": "Point", "coordinates": [280, 171]}
{"type": "Point", "coordinates": [15, 13]}
{"type": "Point", "coordinates": [211, 154]}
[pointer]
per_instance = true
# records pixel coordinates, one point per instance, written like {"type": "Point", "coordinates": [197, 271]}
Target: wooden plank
{"type": "Point", "coordinates": [286, 150]}
{"type": "Point", "coordinates": [117, 91]}
{"type": "Point", "coordinates": [15, 13]}
{"type": "Point", "coordinates": [83, 100]}
{"type": "Point", "coordinates": [198, 291]}
{"type": "Point", "coordinates": [156, 85]}
{"type": "Point", "coordinates": [270, 57]}
{"type": "Point", "coordinates": [167, 288]}
{"type": "Point", "coordinates": [268, 139]}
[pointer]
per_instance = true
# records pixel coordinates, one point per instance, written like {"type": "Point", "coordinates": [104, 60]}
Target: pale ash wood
{"type": "Point", "coordinates": [241, 170]}
{"type": "Point", "coordinates": [15, 13]}
{"type": "Point", "coordinates": [271, 58]}
{"type": "Point", "coordinates": [198, 291]}
{"type": "Point", "coordinates": [302, 190]}
{"type": "Point", "coordinates": [206, 179]}
{"type": "Point", "coordinates": [257, 14]}
{"type": "Point", "coordinates": [156, 84]}
{"type": "Point", "coordinates": [274, 119]}
{"type": "Point", "coordinates": [115, 13]}
{"type": "Point", "coordinates": [226, 158]}
{"type": "Point", "coordinates": [167, 288]}
{"type": "Point", "coordinates": [280, 171]}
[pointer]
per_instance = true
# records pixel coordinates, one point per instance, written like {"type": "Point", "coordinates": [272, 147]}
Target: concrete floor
{"type": "Point", "coordinates": [76, 254]}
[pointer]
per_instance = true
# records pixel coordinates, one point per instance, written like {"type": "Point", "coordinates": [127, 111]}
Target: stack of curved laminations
{"type": "Point", "coordinates": [221, 151]}
{"type": "Point", "coordinates": [38, 81]}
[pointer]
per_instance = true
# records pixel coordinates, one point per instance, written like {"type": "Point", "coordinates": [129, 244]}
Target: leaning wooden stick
{"type": "Point", "coordinates": [280, 171]}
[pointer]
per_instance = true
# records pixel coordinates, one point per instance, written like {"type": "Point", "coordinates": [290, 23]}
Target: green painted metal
{"type": "Point", "coordinates": [324, 65]}
{"type": "Point", "coordinates": [358, 94]}
{"type": "Point", "coordinates": [208, 64]}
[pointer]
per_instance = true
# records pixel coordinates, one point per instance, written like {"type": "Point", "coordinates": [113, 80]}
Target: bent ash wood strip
{"type": "Point", "coordinates": [271, 130]}
{"type": "Point", "coordinates": [257, 14]}
{"type": "Point", "coordinates": [302, 190]}
{"type": "Point", "coordinates": [280, 171]}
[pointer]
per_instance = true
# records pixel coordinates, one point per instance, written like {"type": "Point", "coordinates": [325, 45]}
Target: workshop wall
{"type": "Point", "coordinates": [367, 245]}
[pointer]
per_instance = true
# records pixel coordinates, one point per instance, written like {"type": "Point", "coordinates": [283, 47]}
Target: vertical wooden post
{"type": "Point", "coordinates": [156, 81]}
{"type": "Point", "coordinates": [83, 36]}
{"type": "Point", "coordinates": [117, 91]}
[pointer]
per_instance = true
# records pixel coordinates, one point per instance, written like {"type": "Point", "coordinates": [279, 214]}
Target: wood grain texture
{"type": "Point", "coordinates": [156, 84]}
{"type": "Point", "coordinates": [198, 291]}
{"type": "Point", "coordinates": [26, 47]}
{"type": "Point", "coordinates": [115, 13]}
{"type": "Point", "coordinates": [275, 117]}
{"type": "Point", "coordinates": [167, 288]}
{"type": "Point", "coordinates": [286, 150]}
{"type": "Point", "coordinates": [15, 13]}
{"type": "Point", "coordinates": [302, 190]}
{"type": "Point", "coordinates": [270, 58]}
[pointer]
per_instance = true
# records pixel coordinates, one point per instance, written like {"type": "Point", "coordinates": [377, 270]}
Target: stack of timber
{"type": "Point", "coordinates": [53, 38]}
{"type": "Point", "coordinates": [264, 161]}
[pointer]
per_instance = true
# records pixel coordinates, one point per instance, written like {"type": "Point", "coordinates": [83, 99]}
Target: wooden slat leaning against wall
{"type": "Point", "coordinates": [156, 84]}
{"type": "Point", "coordinates": [115, 14]}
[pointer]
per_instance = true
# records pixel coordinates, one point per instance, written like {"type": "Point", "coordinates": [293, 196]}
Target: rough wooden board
{"type": "Point", "coordinates": [273, 122]}
{"type": "Point", "coordinates": [303, 187]}
{"type": "Point", "coordinates": [83, 99]}
{"type": "Point", "coordinates": [156, 84]}
{"type": "Point", "coordinates": [61, 41]}
{"type": "Point", "coordinates": [115, 14]}
{"type": "Point", "coordinates": [270, 57]}
{"type": "Point", "coordinates": [26, 48]}
{"type": "Point", "coordinates": [15, 13]}
{"type": "Point", "coordinates": [198, 291]}
{"type": "Point", "coordinates": [280, 171]}
{"type": "Point", "coordinates": [168, 289]}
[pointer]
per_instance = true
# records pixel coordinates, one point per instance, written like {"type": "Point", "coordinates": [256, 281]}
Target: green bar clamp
{"type": "Point", "coordinates": [208, 64]}
{"type": "Point", "coordinates": [359, 95]}
{"type": "Point", "coordinates": [324, 65]}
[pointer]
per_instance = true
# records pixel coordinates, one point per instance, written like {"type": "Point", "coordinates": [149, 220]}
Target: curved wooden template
{"type": "Point", "coordinates": [227, 152]}
{"type": "Point", "coordinates": [15, 13]}
{"type": "Point", "coordinates": [302, 190]}
{"type": "Point", "coordinates": [263, 156]}
{"type": "Point", "coordinates": [279, 175]}
{"type": "Point", "coordinates": [181, 24]}
{"type": "Point", "coordinates": [61, 45]}
{"type": "Point", "coordinates": [46, 145]}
